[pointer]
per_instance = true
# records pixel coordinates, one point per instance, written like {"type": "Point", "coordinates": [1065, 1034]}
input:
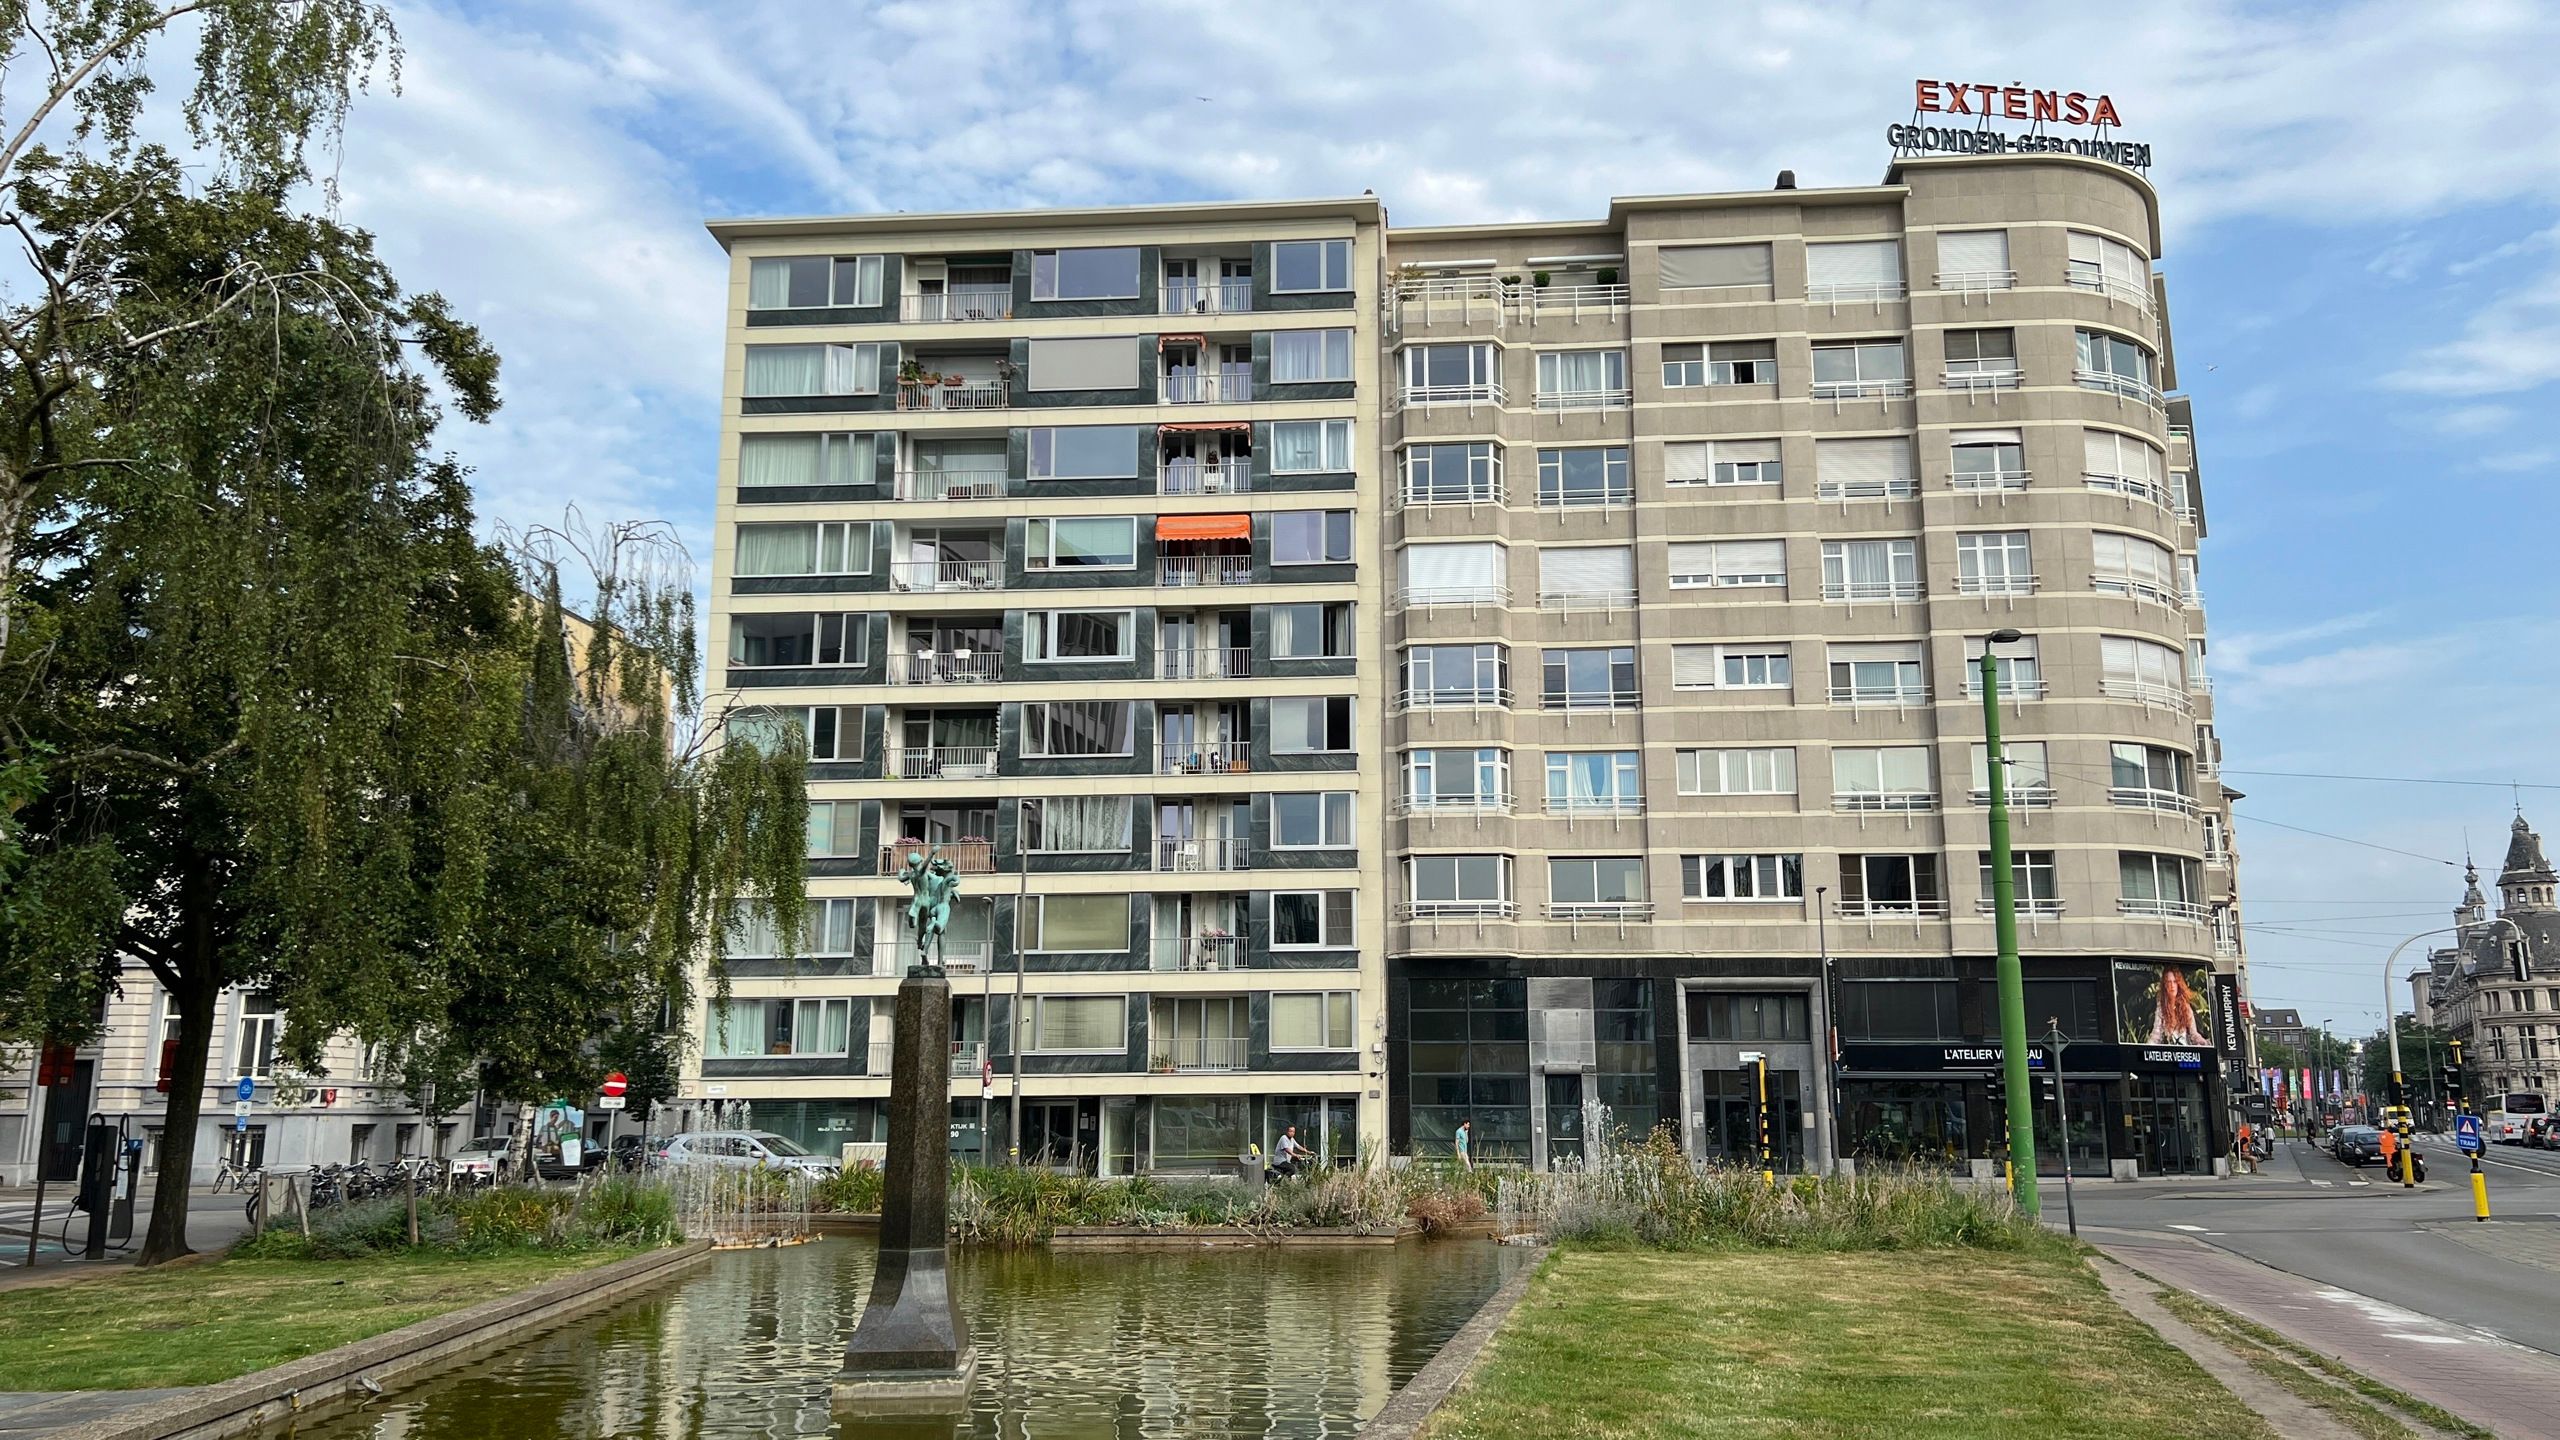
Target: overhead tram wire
{"type": "Point", "coordinates": [2393, 779]}
{"type": "Point", "coordinates": [2051, 766]}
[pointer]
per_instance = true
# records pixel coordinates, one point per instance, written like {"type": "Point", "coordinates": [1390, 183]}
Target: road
{"type": "Point", "coordinates": [2421, 1250]}
{"type": "Point", "coordinates": [212, 1221]}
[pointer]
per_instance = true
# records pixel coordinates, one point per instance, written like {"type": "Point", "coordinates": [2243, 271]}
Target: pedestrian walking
{"type": "Point", "coordinates": [1462, 1144]}
{"type": "Point", "coordinates": [2248, 1149]}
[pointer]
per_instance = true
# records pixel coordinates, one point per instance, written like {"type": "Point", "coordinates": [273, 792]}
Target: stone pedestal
{"type": "Point", "coordinates": [911, 1350]}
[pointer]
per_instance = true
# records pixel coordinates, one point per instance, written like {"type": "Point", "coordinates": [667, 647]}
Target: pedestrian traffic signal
{"type": "Point", "coordinates": [55, 1065]}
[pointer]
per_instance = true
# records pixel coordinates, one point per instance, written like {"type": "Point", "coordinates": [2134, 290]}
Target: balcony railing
{"type": "Point", "coordinates": [944, 667]}
{"type": "Point", "coordinates": [1480, 697]}
{"type": "Point", "coordinates": [1595, 804]}
{"type": "Point", "coordinates": [2021, 797]}
{"type": "Point", "coordinates": [1978, 481]}
{"type": "Point", "coordinates": [1476, 490]}
{"type": "Point", "coordinates": [1436, 805]}
{"type": "Point", "coordinates": [957, 306]}
{"type": "Point", "coordinates": [1205, 757]}
{"type": "Point", "coordinates": [2040, 907]}
{"type": "Point", "coordinates": [1608, 911]}
{"type": "Point", "coordinates": [1457, 910]}
{"type": "Point", "coordinates": [1880, 695]}
{"type": "Point", "coordinates": [1428, 596]}
{"type": "Point", "coordinates": [968, 1058]}
{"type": "Point", "coordinates": [1540, 300]}
{"type": "Point", "coordinates": [2113, 287]}
{"type": "Point", "coordinates": [1561, 401]}
{"type": "Point", "coordinates": [1218, 662]}
{"type": "Point", "coordinates": [1870, 589]}
{"type": "Point", "coordinates": [2142, 797]}
{"type": "Point", "coordinates": [1982, 382]}
{"type": "Point", "coordinates": [2130, 387]}
{"type": "Point", "coordinates": [1893, 802]}
{"type": "Point", "coordinates": [1442, 289]}
{"type": "Point", "coordinates": [1591, 699]}
{"type": "Point", "coordinates": [1879, 489]}
{"type": "Point", "coordinates": [2167, 697]}
{"type": "Point", "coordinates": [950, 484]}
{"type": "Point", "coordinates": [1619, 493]}
{"type": "Point", "coordinates": [1968, 281]}
{"type": "Point", "coordinates": [1182, 475]}
{"type": "Point", "coordinates": [1586, 599]}
{"type": "Point", "coordinates": [891, 958]}
{"type": "Point", "coordinates": [2133, 487]}
{"type": "Point", "coordinates": [1414, 397]}
{"type": "Point", "coordinates": [1861, 389]}
{"type": "Point", "coordinates": [969, 857]}
{"type": "Point", "coordinates": [2149, 909]}
{"type": "Point", "coordinates": [1868, 292]}
{"type": "Point", "coordinates": [1891, 909]}
{"type": "Point", "coordinates": [953, 397]}
{"type": "Point", "coordinates": [947, 574]}
{"type": "Point", "coordinates": [1192, 953]}
{"type": "Point", "coordinates": [1995, 585]}
{"type": "Point", "coordinates": [2146, 591]}
{"type": "Point", "coordinates": [1225, 386]}
{"type": "Point", "coordinates": [2199, 684]}
{"type": "Point", "coordinates": [878, 1056]}
{"type": "Point", "coordinates": [1196, 570]}
{"type": "Point", "coordinates": [1198, 1054]}
{"type": "Point", "coordinates": [1203, 854]}
{"type": "Point", "coordinates": [943, 762]}
{"type": "Point", "coordinates": [1227, 295]}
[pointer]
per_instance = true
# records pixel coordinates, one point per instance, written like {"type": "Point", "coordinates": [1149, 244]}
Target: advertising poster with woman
{"type": "Point", "coordinates": [2163, 1004]}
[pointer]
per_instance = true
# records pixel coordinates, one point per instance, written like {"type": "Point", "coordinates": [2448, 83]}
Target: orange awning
{"type": "Point", "coordinates": [1204, 527]}
{"type": "Point", "coordinates": [1164, 340]}
{"type": "Point", "coordinates": [1198, 426]}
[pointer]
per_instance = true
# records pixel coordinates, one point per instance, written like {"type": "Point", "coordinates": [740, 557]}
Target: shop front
{"type": "Point", "coordinates": [2124, 1109]}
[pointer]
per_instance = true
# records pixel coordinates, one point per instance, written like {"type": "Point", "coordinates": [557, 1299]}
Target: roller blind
{"type": "Point", "coordinates": [1972, 252]}
{"type": "Point", "coordinates": [1110, 364]}
{"type": "Point", "coordinates": [1685, 463]}
{"type": "Point", "coordinates": [1987, 437]}
{"type": "Point", "coordinates": [1469, 566]}
{"type": "Point", "coordinates": [1697, 266]}
{"type": "Point", "coordinates": [2109, 452]}
{"type": "Point", "coordinates": [1857, 460]}
{"type": "Point", "coordinates": [1587, 570]}
{"type": "Point", "coordinates": [1893, 650]}
{"type": "Point", "coordinates": [1746, 452]}
{"type": "Point", "coordinates": [1693, 667]}
{"type": "Point", "coordinates": [1853, 262]}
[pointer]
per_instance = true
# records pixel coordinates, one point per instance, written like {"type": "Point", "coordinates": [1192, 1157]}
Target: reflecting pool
{"type": "Point", "coordinates": [1261, 1342]}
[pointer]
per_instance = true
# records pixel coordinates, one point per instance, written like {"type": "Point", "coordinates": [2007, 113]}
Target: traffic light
{"type": "Point", "coordinates": [54, 1065]}
{"type": "Point", "coordinates": [168, 1062]}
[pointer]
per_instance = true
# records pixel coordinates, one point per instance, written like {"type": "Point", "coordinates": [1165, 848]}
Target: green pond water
{"type": "Point", "coordinates": [1262, 1342]}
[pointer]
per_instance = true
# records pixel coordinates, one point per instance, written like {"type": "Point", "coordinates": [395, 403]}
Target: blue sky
{"type": "Point", "coordinates": [2363, 215]}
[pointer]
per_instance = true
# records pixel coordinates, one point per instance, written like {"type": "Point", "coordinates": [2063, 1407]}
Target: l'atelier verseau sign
{"type": "Point", "coordinates": [2013, 102]}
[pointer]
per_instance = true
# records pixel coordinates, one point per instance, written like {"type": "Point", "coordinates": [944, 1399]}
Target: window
{"type": "Point", "coordinates": [1994, 562]}
{"type": "Point", "coordinates": [1731, 667]}
{"type": "Point", "coordinates": [1310, 447]}
{"type": "Point", "coordinates": [2141, 670]}
{"type": "Point", "coordinates": [2030, 781]}
{"type": "Point", "coordinates": [1320, 1020]}
{"type": "Point", "coordinates": [1312, 631]}
{"type": "Point", "coordinates": [829, 548]}
{"type": "Point", "coordinates": [1742, 362]}
{"type": "Point", "coordinates": [1890, 885]}
{"type": "Point", "coordinates": [1458, 779]}
{"type": "Point", "coordinates": [1076, 1024]}
{"type": "Point", "coordinates": [1579, 880]}
{"type": "Point", "coordinates": [1311, 820]}
{"type": "Point", "coordinates": [1884, 673]}
{"type": "Point", "coordinates": [1974, 260]}
{"type": "Point", "coordinates": [1457, 675]}
{"type": "Point", "coordinates": [2132, 565]}
{"type": "Point", "coordinates": [1301, 266]}
{"type": "Point", "coordinates": [1104, 273]}
{"type": "Point", "coordinates": [792, 371]}
{"type": "Point", "coordinates": [2113, 363]}
{"type": "Point", "coordinates": [2121, 464]}
{"type": "Point", "coordinates": [1900, 1010]}
{"type": "Point", "coordinates": [1097, 543]}
{"type": "Point", "coordinates": [1079, 635]}
{"type": "Point", "coordinates": [808, 282]}
{"type": "Point", "coordinates": [1982, 353]}
{"type": "Point", "coordinates": [1875, 468]}
{"type": "Point", "coordinates": [1870, 569]}
{"type": "Point", "coordinates": [1312, 920]}
{"type": "Point", "coordinates": [1445, 373]}
{"type": "Point", "coordinates": [1311, 537]}
{"type": "Point", "coordinates": [1304, 355]}
{"type": "Point", "coordinates": [2098, 263]}
{"type": "Point", "coordinates": [1738, 772]}
{"type": "Point", "coordinates": [1588, 781]}
{"type": "Point", "coordinates": [743, 1029]}
{"type": "Point", "coordinates": [1452, 474]}
{"type": "Point", "coordinates": [1683, 366]}
{"type": "Point", "coordinates": [835, 828]}
{"type": "Point", "coordinates": [261, 1026]}
{"type": "Point", "coordinates": [1883, 777]}
{"type": "Point", "coordinates": [1084, 924]}
{"type": "Point", "coordinates": [1728, 563]}
{"type": "Point", "coordinates": [1460, 573]}
{"type": "Point", "coordinates": [1842, 369]}
{"type": "Point", "coordinates": [1742, 877]}
{"type": "Point", "coordinates": [1459, 884]}
{"type": "Point", "coordinates": [1852, 270]}
{"type": "Point", "coordinates": [766, 460]}
{"type": "Point", "coordinates": [1584, 475]}
{"type": "Point", "coordinates": [824, 731]}
{"type": "Point", "coordinates": [2014, 668]}
{"type": "Point", "coordinates": [1703, 267]}
{"type": "Point", "coordinates": [1586, 576]}
{"type": "Point", "coordinates": [1076, 825]}
{"type": "Point", "coordinates": [1581, 379]}
{"type": "Point", "coordinates": [1987, 460]}
{"type": "Point", "coordinates": [2038, 888]}
{"type": "Point", "coordinates": [2152, 777]}
{"type": "Point", "coordinates": [1084, 452]}
{"type": "Point", "coordinates": [1602, 678]}
{"type": "Point", "coordinates": [1100, 364]}
{"type": "Point", "coordinates": [1725, 1015]}
{"type": "Point", "coordinates": [797, 639]}
{"type": "Point", "coordinates": [1312, 725]}
{"type": "Point", "coordinates": [2162, 885]}
{"type": "Point", "coordinates": [1721, 462]}
{"type": "Point", "coordinates": [1064, 729]}
{"type": "Point", "coordinates": [826, 928]}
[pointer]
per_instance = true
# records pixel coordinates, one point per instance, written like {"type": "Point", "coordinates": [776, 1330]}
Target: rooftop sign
{"type": "Point", "coordinates": [2039, 108]}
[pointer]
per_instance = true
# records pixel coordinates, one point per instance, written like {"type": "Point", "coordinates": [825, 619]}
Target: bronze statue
{"type": "Point", "coordinates": [934, 881]}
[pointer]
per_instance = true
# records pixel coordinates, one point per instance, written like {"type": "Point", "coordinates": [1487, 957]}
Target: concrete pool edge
{"type": "Point", "coordinates": [1413, 1404]}
{"type": "Point", "coordinates": [298, 1389]}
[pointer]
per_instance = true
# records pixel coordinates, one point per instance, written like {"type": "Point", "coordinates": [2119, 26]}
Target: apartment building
{"type": "Point", "coordinates": [2497, 987]}
{"type": "Point", "coordinates": [1383, 679]}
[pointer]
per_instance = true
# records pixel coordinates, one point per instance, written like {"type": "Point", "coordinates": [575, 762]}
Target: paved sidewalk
{"type": "Point", "coordinates": [2513, 1390]}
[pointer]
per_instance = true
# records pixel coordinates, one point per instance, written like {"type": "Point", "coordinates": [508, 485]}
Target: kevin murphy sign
{"type": "Point", "coordinates": [2038, 108]}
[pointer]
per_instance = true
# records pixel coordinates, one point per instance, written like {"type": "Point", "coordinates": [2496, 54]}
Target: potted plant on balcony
{"type": "Point", "coordinates": [1540, 278]}
{"type": "Point", "coordinates": [1161, 1062]}
{"type": "Point", "coordinates": [1609, 275]}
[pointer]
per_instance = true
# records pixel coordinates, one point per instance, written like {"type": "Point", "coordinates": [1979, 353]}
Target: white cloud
{"type": "Point", "coordinates": [2518, 462]}
{"type": "Point", "coordinates": [2473, 419]}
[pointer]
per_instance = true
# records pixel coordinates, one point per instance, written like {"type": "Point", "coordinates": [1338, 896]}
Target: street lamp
{"type": "Point", "coordinates": [2004, 917]}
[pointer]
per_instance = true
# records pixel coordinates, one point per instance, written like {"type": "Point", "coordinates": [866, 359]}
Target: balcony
{"type": "Point", "coordinates": [1879, 489]}
{"type": "Point", "coordinates": [1890, 909]}
{"type": "Point", "coordinates": [1866, 292]}
{"type": "Point", "coordinates": [1558, 402]}
{"type": "Point", "coordinates": [1574, 805]}
{"type": "Point", "coordinates": [2133, 487]}
{"type": "Point", "coordinates": [1221, 662]}
{"type": "Point", "coordinates": [2127, 387]}
{"type": "Point", "coordinates": [1199, 1054]}
{"type": "Point", "coordinates": [1871, 590]}
{"type": "Point", "coordinates": [957, 306]}
{"type": "Point", "coordinates": [2021, 797]}
{"type": "Point", "coordinates": [1205, 757]}
{"type": "Point", "coordinates": [1535, 301]}
{"type": "Point", "coordinates": [1995, 586]}
{"type": "Point", "coordinates": [1197, 954]}
{"type": "Point", "coordinates": [1481, 697]}
{"type": "Point", "coordinates": [2199, 684]}
{"type": "Point", "coordinates": [969, 857]}
{"type": "Point", "coordinates": [968, 1059]}
{"type": "Point", "coordinates": [1202, 855]}
{"type": "Point", "coordinates": [1423, 397]}
{"type": "Point", "coordinates": [943, 762]}
{"type": "Point", "coordinates": [2114, 287]}
{"type": "Point", "coordinates": [944, 667]}
{"type": "Point", "coordinates": [1569, 601]}
{"type": "Point", "coordinates": [1428, 910]}
{"type": "Point", "coordinates": [1184, 475]}
{"type": "Point", "coordinates": [1429, 597]}
{"type": "Point", "coordinates": [946, 575]}
{"type": "Point", "coordinates": [950, 484]}
{"type": "Point", "coordinates": [2146, 591]}
{"type": "Point", "coordinates": [1972, 282]}
{"type": "Point", "coordinates": [1612, 912]}
{"type": "Point", "coordinates": [2142, 797]}
{"type": "Point", "coordinates": [1861, 389]}
{"type": "Point", "coordinates": [1472, 490]}
{"type": "Point", "coordinates": [1987, 481]}
{"type": "Point", "coordinates": [881, 1054]}
{"type": "Point", "coordinates": [890, 959]}
{"type": "Point", "coordinates": [2151, 909]}
{"type": "Point", "coordinates": [1226, 295]}
{"type": "Point", "coordinates": [1437, 805]}
{"type": "Point", "coordinates": [1983, 382]}
{"type": "Point", "coordinates": [1189, 571]}
{"type": "Point", "coordinates": [1228, 385]}
{"type": "Point", "coordinates": [2039, 907]}
{"type": "Point", "coordinates": [1591, 700]}
{"type": "Point", "coordinates": [1889, 802]}
{"type": "Point", "coordinates": [2165, 697]}
{"type": "Point", "coordinates": [953, 395]}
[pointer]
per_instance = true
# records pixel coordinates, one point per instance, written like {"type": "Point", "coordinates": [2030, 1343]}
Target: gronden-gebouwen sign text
{"type": "Point", "coordinates": [2014, 102]}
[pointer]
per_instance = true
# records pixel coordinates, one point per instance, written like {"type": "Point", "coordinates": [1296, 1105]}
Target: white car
{"type": "Point", "coordinates": [760, 1149]}
{"type": "Point", "coordinates": [478, 1160]}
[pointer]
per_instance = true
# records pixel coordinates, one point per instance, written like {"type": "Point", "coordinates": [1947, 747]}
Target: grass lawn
{"type": "Point", "coordinates": [1642, 1345]}
{"type": "Point", "coordinates": [195, 1324]}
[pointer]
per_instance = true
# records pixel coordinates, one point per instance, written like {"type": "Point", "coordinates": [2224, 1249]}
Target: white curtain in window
{"type": "Point", "coordinates": [777, 460]}
{"type": "Point", "coordinates": [1297, 448]}
{"type": "Point", "coordinates": [777, 549]}
{"type": "Point", "coordinates": [1085, 822]}
{"type": "Point", "coordinates": [853, 369]}
{"type": "Point", "coordinates": [768, 284]}
{"type": "Point", "coordinates": [789, 370]}
{"type": "Point", "coordinates": [1467, 566]}
{"type": "Point", "coordinates": [1580, 372]}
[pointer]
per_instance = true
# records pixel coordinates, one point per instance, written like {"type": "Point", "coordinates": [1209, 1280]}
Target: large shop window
{"type": "Point", "coordinates": [1469, 1060]}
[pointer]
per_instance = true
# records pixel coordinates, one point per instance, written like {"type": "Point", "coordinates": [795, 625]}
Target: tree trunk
{"type": "Point", "coordinates": [197, 1001]}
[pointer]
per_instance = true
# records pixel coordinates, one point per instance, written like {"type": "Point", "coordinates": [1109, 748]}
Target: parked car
{"type": "Point", "coordinates": [744, 1148]}
{"type": "Point", "coordinates": [2361, 1145]}
{"type": "Point", "coordinates": [478, 1161]}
